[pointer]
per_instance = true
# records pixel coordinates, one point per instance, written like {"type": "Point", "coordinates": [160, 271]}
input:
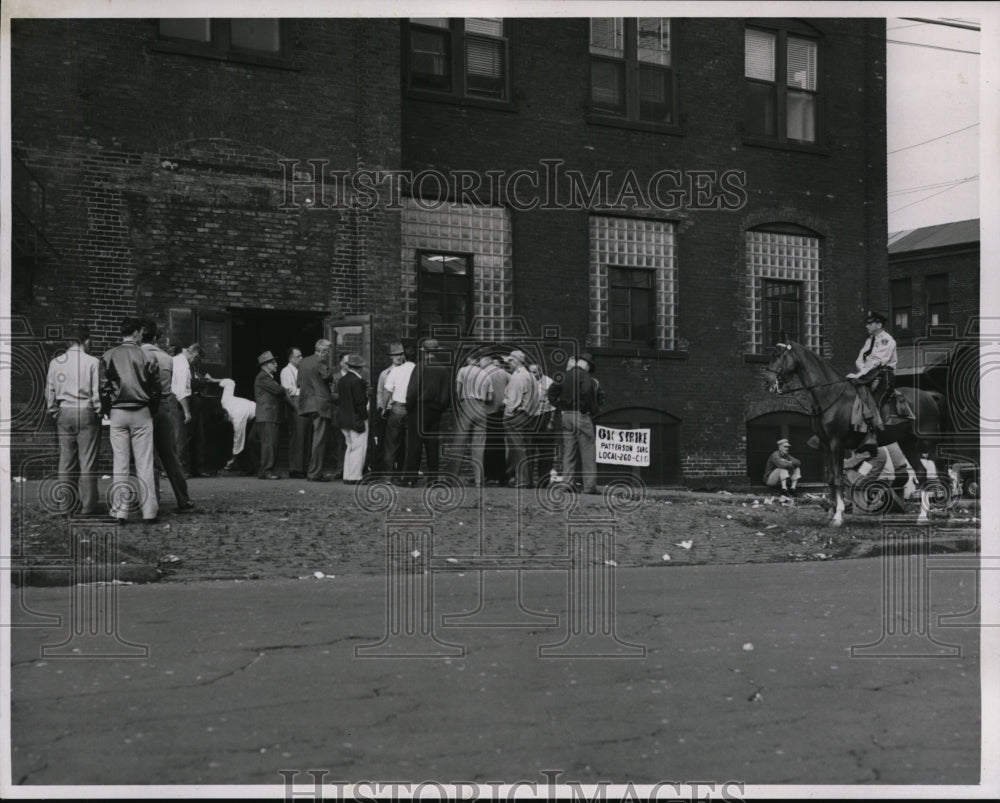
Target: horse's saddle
{"type": "Point", "coordinates": [894, 408]}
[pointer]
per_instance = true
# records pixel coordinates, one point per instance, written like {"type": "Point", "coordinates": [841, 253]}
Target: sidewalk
{"type": "Point", "coordinates": [747, 676]}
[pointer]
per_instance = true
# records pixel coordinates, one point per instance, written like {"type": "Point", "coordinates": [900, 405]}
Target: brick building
{"type": "Point", "coordinates": [668, 193]}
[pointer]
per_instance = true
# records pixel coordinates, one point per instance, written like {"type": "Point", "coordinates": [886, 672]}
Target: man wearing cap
{"type": "Point", "coordinates": [352, 417]}
{"type": "Point", "coordinates": [72, 394]}
{"type": "Point", "coordinates": [396, 383]}
{"type": "Point", "coordinates": [315, 402]}
{"type": "Point", "coordinates": [520, 407]}
{"type": "Point", "coordinates": [576, 396]}
{"type": "Point", "coordinates": [299, 427]}
{"type": "Point", "coordinates": [269, 396]}
{"type": "Point", "coordinates": [782, 467]}
{"type": "Point", "coordinates": [428, 395]}
{"type": "Point", "coordinates": [876, 366]}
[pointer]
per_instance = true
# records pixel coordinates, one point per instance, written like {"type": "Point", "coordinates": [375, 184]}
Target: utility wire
{"type": "Point", "coordinates": [933, 139]}
{"type": "Point", "coordinates": [948, 22]}
{"type": "Point", "coordinates": [932, 47]}
{"type": "Point", "coordinates": [914, 203]}
{"type": "Point", "coordinates": [925, 187]}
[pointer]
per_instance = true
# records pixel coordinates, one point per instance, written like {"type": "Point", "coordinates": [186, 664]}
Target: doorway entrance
{"type": "Point", "coordinates": [256, 331]}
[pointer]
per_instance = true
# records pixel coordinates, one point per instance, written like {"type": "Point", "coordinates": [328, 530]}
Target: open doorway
{"type": "Point", "coordinates": [256, 330]}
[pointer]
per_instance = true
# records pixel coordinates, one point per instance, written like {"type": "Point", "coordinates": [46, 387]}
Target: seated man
{"type": "Point", "coordinates": [782, 468]}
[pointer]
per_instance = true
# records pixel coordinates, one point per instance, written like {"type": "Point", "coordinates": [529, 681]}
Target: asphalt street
{"type": "Point", "coordinates": [840, 672]}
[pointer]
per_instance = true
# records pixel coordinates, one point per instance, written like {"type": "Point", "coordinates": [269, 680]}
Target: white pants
{"type": "Point", "coordinates": [131, 436]}
{"type": "Point", "coordinates": [780, 475]}
{"type": "Point", "coordinates": [354, 454]}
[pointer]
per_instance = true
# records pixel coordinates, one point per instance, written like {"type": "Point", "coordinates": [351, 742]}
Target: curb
{"type": "Point", "coordinates": [70, 575]}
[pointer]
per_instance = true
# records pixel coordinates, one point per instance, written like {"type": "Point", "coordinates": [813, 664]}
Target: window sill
{"type": "Point", "coordinates": [462, 100]}
{"type": "Point", "coordinates": [773, 144]}
{"type": "Point", "coordinates": [640, 352]}
{"type": "Point", "coordinates": [207, 52]}
{"type": "Point", "coordinates": [635, 125]}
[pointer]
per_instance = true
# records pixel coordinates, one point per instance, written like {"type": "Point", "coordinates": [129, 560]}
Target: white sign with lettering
{"type": "Point", "coordinates": [627, 447]}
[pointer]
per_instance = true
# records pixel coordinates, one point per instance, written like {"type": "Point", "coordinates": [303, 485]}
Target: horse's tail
{"type": "Point", "coordinates": [942, 404]}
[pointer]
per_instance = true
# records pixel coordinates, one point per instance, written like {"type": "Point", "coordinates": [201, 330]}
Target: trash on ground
{"type": "Point", "coordinates": [685, 544]}
{"type": "Point", "coordinates": [666, 556]}
{"type": "Point", "coordinates": [748, 647]}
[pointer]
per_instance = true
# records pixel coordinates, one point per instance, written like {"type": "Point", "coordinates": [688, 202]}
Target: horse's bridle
{"type": "Point", "coordinates": [779, 380]}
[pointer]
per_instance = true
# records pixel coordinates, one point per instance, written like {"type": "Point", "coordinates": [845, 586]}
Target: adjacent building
{"type": "Point", "coordinates": [672, 195]}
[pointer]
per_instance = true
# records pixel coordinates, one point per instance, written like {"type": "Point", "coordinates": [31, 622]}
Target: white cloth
{"type": "Point", "coordinates": [355, 453]}
{"type": "Point", "coordinates": [398, 380]}
{"type": "Point", "coordinates": [180, 383]}
{"type": "Point", "coordinates": [240, 411]}
{"type": "Point", "coordinates": [290, 379]}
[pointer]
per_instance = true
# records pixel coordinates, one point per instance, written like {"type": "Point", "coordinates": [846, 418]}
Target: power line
{"type": "Point", "coordinates": [914, 203]}
{"type": "Point", "coordinates": [932, 47]}
{"type": "Point", "coordinates": [925, 187]}
{"type": "Point", "coordinates": [933, 139]}
{"type": "Point", "coordinates": [948, 22]}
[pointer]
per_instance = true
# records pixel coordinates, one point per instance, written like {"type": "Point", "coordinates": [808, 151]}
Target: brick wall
{"type": "Point", "coordinates": [961, 264]}
{"type": "Point", "coordinates": [838, 193]}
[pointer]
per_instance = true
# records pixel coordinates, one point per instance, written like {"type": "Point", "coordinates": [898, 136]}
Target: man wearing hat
{"type": "Point", "coordinates": [876, 367]}
{"type": "Point", "coordinates": [315, 401]}
{"type": "Point", "coordinates": [396, 383]}
{"type": "Point", "coordinates": [352, 417]}
{"type": "Point", "coordinates": [269, 396]}
{"type": "Point", "coordinates": [782, 467]}
{"type": "Point", "coordinates": [428, 395]}
{"type": "Point", "coordinates": [520, 406]}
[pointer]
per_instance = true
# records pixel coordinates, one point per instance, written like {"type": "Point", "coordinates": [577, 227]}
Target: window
{"type": "Point", "coordinates": [782, 311]}
{"type": "Point", "coordinates": [632, 312]}
{"type": "Point", "coordinates": [901, 299]}
{"type": "Point", "coordinates": [785, 287]}
{"type": "Point", "coordinates": [936, 291]}
{"type": "Point", "coordinates": [631, 75]}
{"type": "Point", "coordinates": [633, 283]}
{"type": "Point", "coordinates": [460, 57]}
{"type": "Point", "coordinates": [781, 85]}
{"type": "Point", "coordinates": [254, 38]}
{"type": "Point", "coordinates": [444, 287]}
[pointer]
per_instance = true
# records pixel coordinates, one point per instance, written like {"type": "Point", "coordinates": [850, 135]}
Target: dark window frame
{"type": "Point", "coordinates": [632, 340]}
{"type": "Point", "coordinates": [799, 308]}
{"type": "Point", "coordinates": [469, 279]}
{"type": "Point", "coordinates": [901, 302]}
{"type": "Point", "coordinates": [782, 31]}
{"type": "Point", "coordinates": [628, 114]}
{"type": "Point", "coordinates": [220, 47]}
{"type": "Point", "coordinates": [456, 89]}
{"type": "Point", "coordinates": [941, 300]}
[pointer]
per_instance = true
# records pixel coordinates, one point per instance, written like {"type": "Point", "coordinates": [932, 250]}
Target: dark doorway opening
{"type": "Point", "coordinates": [256, 331]}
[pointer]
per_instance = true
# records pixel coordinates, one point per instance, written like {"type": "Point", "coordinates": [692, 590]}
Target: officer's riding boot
{"type": "Point", "coordinates": [870, 443]}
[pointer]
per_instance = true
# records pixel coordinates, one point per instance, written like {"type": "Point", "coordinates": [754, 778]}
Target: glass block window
{"type": "Point", "coordinates": [480, 232]}
{"type": "Point", "coordinates": [639, 254]}
{"type": "Point", "coordinates": [774, 261]}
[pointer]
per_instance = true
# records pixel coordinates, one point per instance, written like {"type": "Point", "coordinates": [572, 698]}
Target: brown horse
{"type": "Point", "coordinates": [832, 402]}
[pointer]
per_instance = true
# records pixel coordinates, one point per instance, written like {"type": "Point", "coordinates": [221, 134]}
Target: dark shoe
{"type": "Point", "coordinates": [118, 520]}
{"type": "Point", "coordinates": [296, 475]}
{"type": "Point", "coordinates": [186, 507]}
{"type": "Point", "coordinates": [338, 475]}
{"type": "Point", "coordinates": [324, 478]}
{"type": "Point", "coordinates": [351, 482]}
{"type": "Point", "coordinates": [154, 520]}
{"type": "Point", "coordinates": [268, 477]}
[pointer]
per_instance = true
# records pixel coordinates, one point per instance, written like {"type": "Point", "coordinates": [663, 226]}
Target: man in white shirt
{"type": "Point", "coordinates": [180, 386]}
{"type": "Point", "coordinates": [520, 407]}
{"type": "Point", "coordinates": [299, 426]}
{"type": "Point", "coordinates": [72, 395]}
{"type": "Point", "coordinates": [396, 384]}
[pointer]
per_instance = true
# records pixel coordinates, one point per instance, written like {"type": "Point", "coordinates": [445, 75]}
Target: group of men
{"type": "Point", "coordinates": [143, 392]}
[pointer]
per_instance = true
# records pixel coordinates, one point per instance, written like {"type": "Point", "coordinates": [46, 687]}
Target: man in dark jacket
{"type": "Point", "coordinates": [352, 417]}
{"type": "Point", "coordinates": [130, 395]}
{"type": "Point", "coordinates": [269, 396]}
{"type": "Point", "coordinates": [315, 402]}
{"type": "Point", "coordinates": [577, 397]}
{"type": "Point", "coordinates": [427, 397]}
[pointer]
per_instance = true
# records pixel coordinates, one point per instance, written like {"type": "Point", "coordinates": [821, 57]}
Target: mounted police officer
{"type": "Point", "coordinates": [874, 378]}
